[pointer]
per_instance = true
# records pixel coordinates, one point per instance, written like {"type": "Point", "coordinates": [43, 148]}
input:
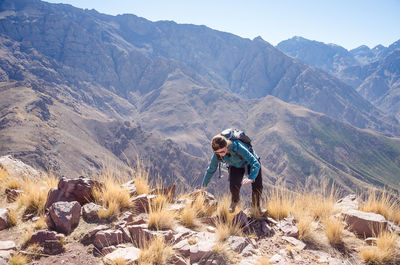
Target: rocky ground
{"type": "Point", "coordinates": [74, 233]}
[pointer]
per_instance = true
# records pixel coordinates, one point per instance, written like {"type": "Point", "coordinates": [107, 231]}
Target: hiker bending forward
{"type": "Point", "coordinates": [237, 156]}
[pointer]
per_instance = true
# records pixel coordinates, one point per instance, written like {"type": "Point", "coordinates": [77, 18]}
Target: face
{"type": "Point", "coordinates": [222, 151]}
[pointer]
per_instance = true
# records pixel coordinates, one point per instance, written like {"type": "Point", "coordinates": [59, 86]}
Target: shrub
{"type": "Point", "coordinates": [155, 252]}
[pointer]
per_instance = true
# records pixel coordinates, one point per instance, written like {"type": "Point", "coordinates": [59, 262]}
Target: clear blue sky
{"type": "Point", "coordinates": [348, 23]}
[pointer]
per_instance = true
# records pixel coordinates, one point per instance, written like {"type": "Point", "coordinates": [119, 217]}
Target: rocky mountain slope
{"type": "Point", "coordinates": [81, 89]}
{"type": "Point", "coordinates": [373, 72]}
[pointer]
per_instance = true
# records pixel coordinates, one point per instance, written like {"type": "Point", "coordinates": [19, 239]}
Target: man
{"type": "Point", "coordinates": [237, 156]}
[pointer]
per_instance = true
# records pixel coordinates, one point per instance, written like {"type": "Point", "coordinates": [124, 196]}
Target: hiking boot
{"type": "Point", "coordinates": [232, 207]}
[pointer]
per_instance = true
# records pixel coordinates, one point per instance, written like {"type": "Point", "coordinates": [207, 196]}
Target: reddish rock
{"type": "Point", "coordinates": [77, 189]}
{"type": "Point", "coordinates": [90, 212]}
{"type": "Point", "coordinates": [65, 216]}
{"type": "Point", "coordinates": [51, 241]}
{"type": "Point", "coordinates": [347, 203]}
{"type": "Point", "coordinates": [131, 187]}
{"type": "Point", "coordinates": [106, 238]}
{"type": "Point", "coordinates": [141, 203]}
{"type": "Point", "coordinates": [89, 237]}
{"type": "Point", "coordinates": [364, 223]}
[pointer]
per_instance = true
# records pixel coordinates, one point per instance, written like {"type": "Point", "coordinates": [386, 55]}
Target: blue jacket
{"type": "Point", "coordinates": [239, 156]}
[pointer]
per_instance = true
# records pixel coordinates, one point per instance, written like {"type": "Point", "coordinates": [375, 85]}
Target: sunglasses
{"type": "Point", "coordinates": [221, 152]}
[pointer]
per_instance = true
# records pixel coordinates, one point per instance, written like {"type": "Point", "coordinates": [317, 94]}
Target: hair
{"type": "Point", "coordinates": [219, 141]}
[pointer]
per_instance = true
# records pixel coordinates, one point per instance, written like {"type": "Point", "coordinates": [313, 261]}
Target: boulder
{"type": "Point", "coordinates": [364, 223]}
{"type": "Point", "coordinates": [65, 216]}
{"type": "Point", "coordinates": [4, 219]}
{"type": "Point", "coordinates": [106, 238]}
{"type": "Point", "coordinates": [7, 245]}
{"type": "Point", "coordinates": [17, 168]}
{"type": "Point", "coordinates": [288, 228]}
{"type": "Point", "coordinates": [51, 241]}
{"type": "Point", "coordinates": [140, 234]}
{"type": "Point", "coordinates": [89, 237]}
{"type": "Point", "coordinates": [77, 189]}
{"type": "Point", "coordinates": [90, 212]}
{"type": "Point", "coordinates": [240, 219]}
{"type": "Point", "coordinates": [130, 255]}
{"type": "Point", "coordinates": [350, 202]}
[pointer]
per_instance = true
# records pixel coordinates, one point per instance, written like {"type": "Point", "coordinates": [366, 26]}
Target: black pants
{"type": "Point", "coordinates": [235, 183]}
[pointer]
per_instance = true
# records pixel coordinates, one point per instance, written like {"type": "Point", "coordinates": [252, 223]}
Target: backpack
{"type": "Point", "coordinates": [232, 135]}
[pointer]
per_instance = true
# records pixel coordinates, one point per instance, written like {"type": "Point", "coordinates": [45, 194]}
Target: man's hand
{"type": "Point", "coordinates": [246, 181]}
{"type": "Point", "coordinates": [203, 189]}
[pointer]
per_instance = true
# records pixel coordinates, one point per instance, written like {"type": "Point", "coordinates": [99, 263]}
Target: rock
{"type": "Point", "coordinates": [364, 223]}
{"type": "Point", "coordinates": [90, 212]}
{"type": "Point", "coordinates": [4, 219]}
{"type": "Point", "coordinates": [108, 250]}
{"type": "Point", "coordinates": [181, 233]}
{"type": "Point", "coordinates": [240, 219]}
{"type": "Point", "coordinates": [12, 194]}
{"type": "Point", "coordinates": [176, 207]}
{"type": "Point", "coordinates": [140, 234]}
{"type": "Point", "coordinates": [141, 203]}
{"type": "Point", "coordinates": [133, 219]}
{"type": "Point", "coordinates": [210, 220]}
{"type": "Point", "coordinates": [89, 237]}
{"type": "Point", "coordinates": [77, 189]}
{"type": "Point", "coordinates": [295, 242]}
{"type": "Point", "coordinates": [347, 203]}
{"type": "Point", "coordinates": [259, 227]}
{"type": "Point", "coordinates": [288, 228]}
{"type": "Point", "coordinates": [51, 241]}
{"type": "Point", "coordinates": [393, 227]}
{"type": "Point", "coordinates": [177, 260]}
{"type": "Point", "coordinates": [5, 256]}
{"type": "Point", "coordinates": [106, 238]}
{"type": "Point", "coordinates": [169, 191]}
{"type": "Point", "coordinates": [237, 243]}
{"type": "Point", "coordinates": [211, 229]}
{"type": "Point", "coordinates": [277, 259]}
{"type": "Point", "coordinates": [65, 216]}
{"type": "Point", "coordinates": [130, 255]}
{"type": "Point", "coordinates": [7, 245]}
{"type": "Point", "coordinates": [203, 247]}
{"type": "Point", "coordinates": [131, 187]}
{"type": "Point", "coordinates": [17, 168]}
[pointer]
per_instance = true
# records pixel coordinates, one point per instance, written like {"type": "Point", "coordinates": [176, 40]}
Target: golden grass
{"type": "Point", "coordinates": [385, 251]}
{"type": "Point", "coordinates": [13, 183]}
{"type": "Point", "coordinates": [41, 223]}
{"type": "Point", "coordinates": [383, 204]}
{"type": "Point", "coordinates": [188, 216]}
{"type": "Point", "coordinates": [13, 215]}
{"type": "Point", "coordinates": [141, 177]}
{"type": "Point", "coordinates": [226, 226]}
{"type": "Point", "coordinates": [34, 197]}
{"type": "Point", "coordinates": [304, 225]}
{"type": "Point", "coordinates": [334, 231]}
{"type": "Point", "coordinates": [19, 259]}
{"type": "Point", "coordinates": [280, 203]}
{"type": "Point", "coordinates": [160, 218]}
{"type": "Point", "coordinates": [3, 176]}
{"type": "Point", "coordinates": [222, 251]}
{"type": "Point", "coordinates": [112, 196]}
{"type": "Point", "coordinates": [155, 252]}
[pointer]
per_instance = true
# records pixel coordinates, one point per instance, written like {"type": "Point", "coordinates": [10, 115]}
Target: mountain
{"type": "Point", "coordinates": [374, 73]}
{"type": "Point", "coordinates": [131, 56]}
{"type": "Point", "coordinates": [80, 89]}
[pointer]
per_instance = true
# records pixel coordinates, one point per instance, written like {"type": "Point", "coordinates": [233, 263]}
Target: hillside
{"type": "Point", "coordinates": [82, 89]}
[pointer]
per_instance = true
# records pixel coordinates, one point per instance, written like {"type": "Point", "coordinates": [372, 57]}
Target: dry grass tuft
{"type": "Point", "coordinates": [222, 253]}
{"type": "Point", "coordinates": [13, 183]}
{"type": "Point", "coordinates": [383, 204]}
{"type": "Point", "coordinates": [385, 251]}
{"type": "Point", "coordinates": [19, 259]}
{"type": "Point", "coordinates": [13, 215]}
{"type": "Point", "coordinates": [112, 196]}
{"type": "Point", "coordinates": [160, 218]}
{"type": "Point", "coordinates": [155, 252]}
{"type": "Point", "coordinates": [334, 231]}
{"type": "Point", "coordinates": [41, 223]}
{"type": "Point", "coordinates": [141, 177]}
{"type": "Point", "coordinates": [280, 203]}
{"type": "Point", "coordinates": [3, 176]}
{"type": "Point", "coordinates": [304, 225]}
{"type": "Point", "coordinates": [188, 216]}
{"type": "Point", "coordinates": [226, 226]}
{"type": "Point", "coordinates": [34, 197]}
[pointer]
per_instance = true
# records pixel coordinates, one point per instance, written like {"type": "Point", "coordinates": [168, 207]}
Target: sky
{"type": "Point", "coordinates": [348, 23]}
